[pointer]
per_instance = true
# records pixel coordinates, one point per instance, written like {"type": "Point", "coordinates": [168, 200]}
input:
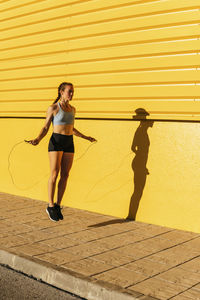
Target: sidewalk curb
{"type": "Point", "coordinates": [68, 280]}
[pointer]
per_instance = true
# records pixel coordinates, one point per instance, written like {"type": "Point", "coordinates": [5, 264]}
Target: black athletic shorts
{"type": "Point", "coordinates": [61, 142]}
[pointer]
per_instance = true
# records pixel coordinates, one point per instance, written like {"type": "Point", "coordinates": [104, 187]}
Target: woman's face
{"type": "Point", "coordinates": [67, 94]}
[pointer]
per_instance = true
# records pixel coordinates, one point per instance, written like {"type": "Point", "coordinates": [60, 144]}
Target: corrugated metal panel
{"type": "Point", "coordinates": [120, 55]}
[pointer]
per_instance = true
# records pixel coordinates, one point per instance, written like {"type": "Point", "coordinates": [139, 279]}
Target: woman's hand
{"type": "Point", "coordinates": [91, 139]}
{"type": "Point", "coordinates": [33, 142]}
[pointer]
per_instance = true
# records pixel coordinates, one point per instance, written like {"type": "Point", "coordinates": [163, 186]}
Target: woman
{"type": "Point", "coordinates": [61, 145]}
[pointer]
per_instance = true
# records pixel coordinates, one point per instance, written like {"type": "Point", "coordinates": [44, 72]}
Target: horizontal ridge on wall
{"type": "Point", "coordinates": [135, 26]}
{"type": "Point", "coordinates": [131, 51]}
{"type": "Point", "coordinates": [34, 27]}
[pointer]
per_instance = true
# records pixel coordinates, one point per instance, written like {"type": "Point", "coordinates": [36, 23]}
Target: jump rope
{"type": "Point", "coordinates": [92, 188]}
{"type": "Point", "coordinates": [108, 175]}
{"type": "Point", "coordinates": [27, 188]}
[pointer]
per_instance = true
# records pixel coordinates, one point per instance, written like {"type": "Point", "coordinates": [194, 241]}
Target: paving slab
{"type": "Point", "coordinates": [96, 256]}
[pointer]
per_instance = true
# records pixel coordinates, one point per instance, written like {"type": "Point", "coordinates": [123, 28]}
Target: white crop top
{"type": "Point", "coordinates": [63, 117]}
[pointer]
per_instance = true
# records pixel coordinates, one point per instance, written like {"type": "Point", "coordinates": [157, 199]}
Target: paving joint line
{"type": "Point", "coordinates": [138, 260]}
{"type": "Point", "coordinates": [165, 271]}
{"type": "Point", "coordinates": [93, 241]}
{"type": "Point", "coordinates": [91, 256]}
{"type": "Point", "coordinates": [18, 234]}
{"type": "Point", "coordinates": [98, 239]}
{"type": "Point", "coordinates": [184, 291]}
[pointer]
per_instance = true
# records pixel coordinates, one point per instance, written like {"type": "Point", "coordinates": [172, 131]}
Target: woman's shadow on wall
{"type": "Point", "coordinates": [140, 146]}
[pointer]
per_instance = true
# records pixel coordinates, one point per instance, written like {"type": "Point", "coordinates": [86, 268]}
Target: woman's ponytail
{"type": "Point", "coordinates": [57, 98]}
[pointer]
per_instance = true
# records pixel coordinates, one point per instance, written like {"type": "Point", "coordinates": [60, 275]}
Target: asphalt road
{"type": "Point", "coordinates": [17, 286]}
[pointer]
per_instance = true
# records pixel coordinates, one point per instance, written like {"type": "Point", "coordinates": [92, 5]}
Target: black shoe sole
{"type": "Point", "coordinates": [50, 216]}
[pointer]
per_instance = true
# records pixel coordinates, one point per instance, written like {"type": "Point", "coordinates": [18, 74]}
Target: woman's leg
{"type": "Point", "coordinates": [66, 164]}
{"type": "Point", "coordinates": [55, 158]}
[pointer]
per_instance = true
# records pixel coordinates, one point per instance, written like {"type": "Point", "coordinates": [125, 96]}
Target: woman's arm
{"type": "Point", "coordinates": [45, 128]}
{"type": "Point", "coordinates": [78, 133]}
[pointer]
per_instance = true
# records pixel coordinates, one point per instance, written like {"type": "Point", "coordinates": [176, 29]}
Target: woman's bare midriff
{"type": "Point", "coordinates": [63, 129]}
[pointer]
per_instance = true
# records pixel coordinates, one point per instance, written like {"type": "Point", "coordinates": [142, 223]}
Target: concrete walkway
{"type": "Point", "coordinates": [97, 256]}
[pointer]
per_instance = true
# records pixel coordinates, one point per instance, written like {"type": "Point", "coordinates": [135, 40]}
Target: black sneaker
{"type": "Point", "coordinates": [57, 207]}
{"type": "Point", "coordinates": [52, 212]}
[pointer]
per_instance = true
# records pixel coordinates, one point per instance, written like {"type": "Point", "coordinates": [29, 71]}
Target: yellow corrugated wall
{"type": "Point", "coordinates": [120, 56]}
